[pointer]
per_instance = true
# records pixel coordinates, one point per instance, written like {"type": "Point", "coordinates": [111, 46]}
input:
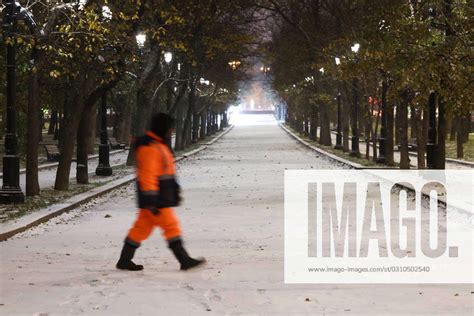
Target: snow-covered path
{"type": "Point", "coordinates": [232, 215]}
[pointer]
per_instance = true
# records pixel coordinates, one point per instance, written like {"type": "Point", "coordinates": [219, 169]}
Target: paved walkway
{"type": "Point", "coordinates": [233, 215]}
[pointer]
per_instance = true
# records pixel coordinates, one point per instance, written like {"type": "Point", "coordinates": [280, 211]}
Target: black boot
{"type": "Point", "coordinates": [125, 262]}
{"type": "Point", "coordinates": [184, 259]}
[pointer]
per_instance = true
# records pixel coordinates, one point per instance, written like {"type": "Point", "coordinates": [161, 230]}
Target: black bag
{"type": "Point", "coordinates": [169, 193]}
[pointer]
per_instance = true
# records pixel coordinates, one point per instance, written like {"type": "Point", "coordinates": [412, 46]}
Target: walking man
{"type": "Point", "coordinates": [158, 191]}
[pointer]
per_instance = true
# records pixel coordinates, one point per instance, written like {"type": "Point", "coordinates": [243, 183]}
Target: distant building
{"type": "Point", "coordinates": [256, 100]}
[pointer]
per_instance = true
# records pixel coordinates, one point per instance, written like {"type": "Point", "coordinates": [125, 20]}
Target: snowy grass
{"type": "Point", "coordinates": [49, 196]}
{"type": "Point", "coordinates": [332, 150]}
{"type": "Point", "coordinates": [451, 149]}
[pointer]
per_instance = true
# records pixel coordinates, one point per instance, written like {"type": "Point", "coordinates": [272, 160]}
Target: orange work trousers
{"type": "Point", "coordinates": [147, 221]}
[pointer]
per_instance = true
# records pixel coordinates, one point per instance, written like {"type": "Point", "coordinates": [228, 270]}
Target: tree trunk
{"type": "Point", "coordinates": [84, 94]}
{"type": "Point", "coordinates": [389, 141]}
{"type": "Point", "coordinates": [288, 116]}
{"type": "Point", "coordinates": [397, 126]}
{"type": "Point", "coordinates": [179, 128]}
{"type": "Point", "coordinates": [122, 120]}
{"type": "Point", "coordinates": [60, 122]}
{"type": "Point", "coordinates": [420, 136]}
{"type": "Point", "coordinates": [466, 127]}
{"type": "Point", "coordinates": [209, 123]}
{"type": "Point", "coordinates": [225, 120]}
{"type": "Point", "coordinates": [34, 130]}
{"type": "Point", "coordinates": [96, 126]}
{"type": "Point", "coordinates": [85, 136]}
{"type": "Point", "coordinates": [367, 141]}
{"type": "Point", "coordinates": [375, 132]}
{"type": "Point", "coordinates": [90, 134]}
{"type": "Point", "coordinates": [41, 124]}
{"type": "Point", "coordinates": [193, 119]}
{"type": "Point", "coordinates": [316, 122]}
{"type": "Point", "coordinates": [440, 160]}
{"type": "Point", "coordinates": [345, 121]}
{"type": "Point", "coordinates": [143, 106]}
{"type": "Point", "coordinates": [68, 141]}
{"type": "Point", "coordinates": [214, 122]}
{"type": "Point", "coordinates": [368, 127]}
{"type": "Point", "coordinates": [452, 126]}
{"type": "Point", "coordinates": [459, 141]}
{"type": "Point", "coordinates": [374, 142]}
{"type": "Point", "coordinates": [202, 131]}
{"type": "Point", "coordinates": [169, 95]}
{"type": "Point", "coordinates": [53, 121]}
{"type": "Point", "coordinates": [138, 124]}
{"type": "Point", "coordinates": [325, 136]}
{"type": "Point", "coordinates": [313, 124]}
{"type": "Point", "coordinates": [293, 120]}
{"type": "Point", "coordinates": [402, 118]}
{"type": "Point", "coordinates": [301, 123]}
{"type": "Point", "coordinates": [413, 122]}
{"type": "Point", "coordinates": [196, 127]}
{"type": "Point", "coordinates": [187, 127]}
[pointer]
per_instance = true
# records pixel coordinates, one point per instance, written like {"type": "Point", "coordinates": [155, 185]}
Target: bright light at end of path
{"type": "Point", "coordinates": [240, 119]}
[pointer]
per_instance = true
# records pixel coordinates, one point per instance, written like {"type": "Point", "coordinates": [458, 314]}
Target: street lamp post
{"type": "Point", "coordinates": [383, 130]}
{"type": "Point", "coordinates": [104, 169]}
{"type": "Point", "coordinates": [431, 146]}
{"type": "Point", "coordinates": [214, 124]}
{"type": "Point", "coordinates": [233, 64]}
{"type": "Point", "coordinates": [11, 191]}
{"type": "Point", "coordinates": [355, 95]}
{"type": "Point", "coordinates": [355, 129]}
{"type": "Point", "coordinates": [138, 115]}
{"type": "Point", "coordinates": [209, 123]}
{"type": "Point", "coordinates": [221, 121]}
{"type": "Point", "coordinates": [339, 120]}
{"type": "Point", "coordinates": [168, 58]}
{"type": "Point", "coordinates": [224, 119]}
{"type": "Point", "coordinates": [339, 124]}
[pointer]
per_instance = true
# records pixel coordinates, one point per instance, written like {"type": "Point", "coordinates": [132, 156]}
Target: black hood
{"type": "Point", "coordinates": [161, 123]}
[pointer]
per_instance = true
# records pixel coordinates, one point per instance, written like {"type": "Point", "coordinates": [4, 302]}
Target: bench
{"type": "Point", "coordinates": [52, 152]}
{"type": "Point", "coordinates": [412, 145]}
{"type": "Point", "coordinates": [114, 144]}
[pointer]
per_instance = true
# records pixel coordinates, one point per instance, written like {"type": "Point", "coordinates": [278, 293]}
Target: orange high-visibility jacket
{"type": "Point", "coordinates": [156, 183]}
